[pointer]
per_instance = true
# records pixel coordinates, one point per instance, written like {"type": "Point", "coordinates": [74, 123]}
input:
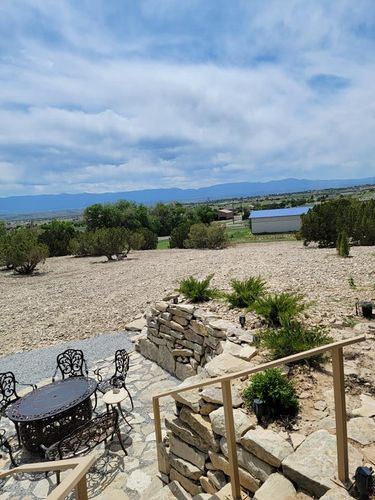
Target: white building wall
{"type": "Point", "coordinates": [276, 224]}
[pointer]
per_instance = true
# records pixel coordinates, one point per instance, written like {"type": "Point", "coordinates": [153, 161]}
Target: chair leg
{"type": "Point", "coordinates": [96, 399]}
{"type": "Point", "coordinates": [121, 442]}
{"type": "Point", "coordinates": [17, 426]}
{"type": "Point", "coordinates": [131, 400]}
{"type": "Point", "coordinates": [9, 449]}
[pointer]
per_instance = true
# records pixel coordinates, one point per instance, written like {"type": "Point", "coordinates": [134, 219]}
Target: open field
{"type": "Point", "coordinates": [74, 298]}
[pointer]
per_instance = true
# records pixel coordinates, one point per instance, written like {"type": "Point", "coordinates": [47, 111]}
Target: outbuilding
{"type": "Point", "coordinates": [278, 220]}
{"type": "Point", "coordinates": [225, 214]}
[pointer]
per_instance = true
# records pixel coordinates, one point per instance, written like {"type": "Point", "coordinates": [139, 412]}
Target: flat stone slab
{"type": "Point", "coordinates": [276, 486]}
{"type": "Point", "coordinates": [367, 409]}
{"type": "Point", "coordinates": [242, 422]}
{"type": "Point", "coordinates": [214, 394]}
{"type": "Point", "coordinates": [244, 351]}
{"type": "Point", "coordinates": [313, 465]}
{"type": "Point", "coordinates": [267, 445]}
{"type": "Point", "coordinates": [362, 430]}
{"type": "Point", "coordinates": [136, 326]}
{"type": "Point", "coordinates": [226, 363]}
{"type": "Point", "coordinates": [336, 494]}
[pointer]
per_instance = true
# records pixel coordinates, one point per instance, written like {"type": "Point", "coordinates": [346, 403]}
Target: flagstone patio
{"type": "Point", "coordinates": [114, 476]}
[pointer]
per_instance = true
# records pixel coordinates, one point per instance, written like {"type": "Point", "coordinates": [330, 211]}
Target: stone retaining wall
{"type": "Point", "coordinates": [182, 338]}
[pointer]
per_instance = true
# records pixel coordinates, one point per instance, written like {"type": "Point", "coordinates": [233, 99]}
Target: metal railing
{"type": "Point", "coordinates": [75, 480]}
{"type": "Point", "coordinates": [336, 349]}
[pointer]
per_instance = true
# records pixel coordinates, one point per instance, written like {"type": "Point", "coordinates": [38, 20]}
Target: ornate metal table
{"type": "Point", "coordinates": [48, 414]}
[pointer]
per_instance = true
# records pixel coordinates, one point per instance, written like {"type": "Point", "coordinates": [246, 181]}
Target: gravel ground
{"type": "Point", "coordinates": [76, 298]}
{"type": "Point", "coordinates": [33, 366]}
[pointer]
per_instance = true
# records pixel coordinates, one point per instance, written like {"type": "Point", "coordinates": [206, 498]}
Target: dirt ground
{"type": "Point", "coordinates": [75, 298]}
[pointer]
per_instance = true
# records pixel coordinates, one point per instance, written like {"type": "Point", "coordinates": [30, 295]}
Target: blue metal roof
{"type": "Point", "coordinates": [278, 212]}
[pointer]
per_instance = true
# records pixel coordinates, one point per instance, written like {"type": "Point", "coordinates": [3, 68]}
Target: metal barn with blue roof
{"type": "Point", "coordinates": [278, 220]}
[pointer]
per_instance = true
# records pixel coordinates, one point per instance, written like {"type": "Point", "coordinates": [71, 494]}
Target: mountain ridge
{"type": "Point", "coordinates": [78, 201]}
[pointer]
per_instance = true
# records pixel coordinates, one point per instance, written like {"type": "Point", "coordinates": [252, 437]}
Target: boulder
{"type": "Point", "coordinates": [184, 370]}
{"type": "Point", "coordinates": [244, 351]}
{"type": "Point", "coordinates": [313, 465]}
{"type": "Point", "coordinates": [207, 486]}
{"type": "Point", "coordinates": [201, 425]}
{"type": "Point", "coordinates": [257, 468]}
{"type": "Point", "coordinates": [246, 479]}
{"type": "Point", "coordinates": [367, 409]}
{"type": "Point", "coordinates": [186, 483]}
{"type": "Point", "coordinates": [207, 408]}
{"type": "Point", "coordinates": [166, 360]}
{"type": "Point", "coordinates": [214, 394]}
{"type": "Point", "coordinates": [276, 486]}
{"type": "Point", "coordinates": [226, 363]}
{"type": "Point", "coordinates": [187, 452]}
{"type": "Point", "coordinates": [200, 328]}
{"type": "Point", "coordinates": [217, 479]}
{"type": "Point", "coordinates": [362, 430]}
{"type": "Point", "coordinates": [171, 491]}
{"type": "Point", "coordinates": [136, 325]}
{"type": "Point", "coordinates": [190, 398]}
{"type": "Point", "coordinates": [267, 445]}
{"type": "Point", "coordinates": [242, 422]}
{"type": "Point", "coordinates": [148, 349]}
{"type": "Point", "coordinates": [220, 327]}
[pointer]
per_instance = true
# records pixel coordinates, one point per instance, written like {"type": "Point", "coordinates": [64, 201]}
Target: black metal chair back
{"type": "Point", "coordinates": [121, 363]}
{"type": "Point", "coordinates": [71, 363]}
{"type": "Point", "coordinates": [8, 392]}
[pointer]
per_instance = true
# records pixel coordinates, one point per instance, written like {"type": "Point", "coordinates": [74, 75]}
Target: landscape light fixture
{"type": "Point", "coordinates": [364, 482]}
{"type": "Point", "coordinates": [175, 300]}
{"type": "Point", "coordinates": [259, 409]}
{"type": "Point", "coordinates": [242, 320]}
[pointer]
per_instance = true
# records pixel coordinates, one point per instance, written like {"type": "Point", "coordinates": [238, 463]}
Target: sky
{"type": "Point", "coordinates": [118, 95]}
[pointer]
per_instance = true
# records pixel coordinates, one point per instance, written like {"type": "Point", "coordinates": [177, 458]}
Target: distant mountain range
{"type": "Point", "coordinates": [64, 202]}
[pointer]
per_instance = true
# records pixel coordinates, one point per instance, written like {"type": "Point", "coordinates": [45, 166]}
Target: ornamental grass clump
{"type": "Point", "coordinates": [245, 292]}
{"type": "Point", "coordinates": [294, 337]}
{"type": "Point", "coordinates": [279, 308]}
{"type": "Point", "coordinates": [275, 390]}
{"type": "Point", "coordinates": [198, 290]}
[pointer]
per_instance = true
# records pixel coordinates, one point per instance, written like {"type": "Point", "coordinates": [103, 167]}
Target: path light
{"type": "Point", "coordinates": [175, 300]}
{"type": "Point", "coordinates": [242, 320]}
{"type": "Point", "coordinates": [259, 409]}
{"type": "Point", "coordinates": [364, 482]}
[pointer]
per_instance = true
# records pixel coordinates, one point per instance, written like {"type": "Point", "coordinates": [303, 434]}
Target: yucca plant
{"type": "Point", "coordinates": [279, 308]}
{"type": "Point", "coordinates": [293, 337]}
{"type": "Point", "coordinates": [245, 292]}
{"type": "Point", "coordinates": [198, 290]}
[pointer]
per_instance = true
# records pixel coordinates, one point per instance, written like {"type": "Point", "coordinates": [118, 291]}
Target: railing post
{"type": "Point", "coordinates": [340, 413]}
{"type": "Point", "coordinates": [231, 440]}
{"type": "Point", "coordinates": [81, 489]}
{"type": "Point", "coordinates": [157, 423]}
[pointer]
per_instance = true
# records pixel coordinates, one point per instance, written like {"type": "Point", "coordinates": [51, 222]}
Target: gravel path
{"type": "Point", "coordinates": [34, 366]}
{"type": "Point", "coordinates": [76, 298]}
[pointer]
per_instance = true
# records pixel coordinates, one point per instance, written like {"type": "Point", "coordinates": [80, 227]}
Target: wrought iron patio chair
{"type": "Point", "coordinates": [85, 438]}
{"type": "Point", "coordinates": [71, 363]}
{"type": "Point", "coordinates": [8, 394]}
{"type": "Point", "coordinates": [118, 379]}
{"type": "Point", "coordinates": [4, 443]}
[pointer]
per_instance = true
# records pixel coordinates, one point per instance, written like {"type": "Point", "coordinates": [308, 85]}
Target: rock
{"type": "Point", "coordinates": [276, 486]}
{"type": "Point", "coordinates": [184, 370]}
{"type": "Point", "coordinates": [182, 352]}
{"type": "Point", "coordinates": [193, 337]}
{"type": "Point", "coordinates": [217, 479]}
{"type": "Point", "coordinates": [367, 409]}
{"type": "Point", "coordinates": [214, 394]}
{"type": "Point", "coordinates": [200, 328]}
{"type": "Point", "coordinates": [186, 483]}
{"type": "Point", "coordinates": [185, 433]}
{"type": "Point", "coordinates": [257, 468]}
{"type": "Point", "coordinates": [180, 320]}
{"type": "Point", "coordinates": [201, 425]}
{"type": "Point", "coordinates": [313, 465]}
{"type": "Point", "coordinates": [220, 327]}
{"type": "Point", "coordinates": [320, 405]}
{"type": "Point", "coordinates": [178, 491]}
{"type": "Point", "coordinates": [246, 479]}
{"type": "Point", "coordinates": [190, 398]}
{"type": "Point", "coordinates": [164, 466]}
{"type": "Point", "coordinates": [369, 453]}
{"type": "Point", "coordinates": [207, 486]}
{"type": "Point", "coordinates": [267, 445]}
{"type": "Point", "coordinates": [136, 325]}
{"type": "Point", "coordinates": [161, 306]}
{"type": "Point", "coordinates": [165, 360]}
{"type": "Point", "coordinates": [296, 439]}
{"type": "Point", "coordinates": [148, 349]}
{"type": "Point", "coordinates": [226, 363]}
{"type": "Point", "coordinates": [202, 496]}
{"type": "Point", "coordinates": [245, 351]}
{"type": "Point", "coordinates": [226, 494]}
{"type": "Point", "coordinates": [184, 467]}
{"type": "Point", "coordinates": [336, 494]}
{"type": "Point", "coordinates": [207, 408]}
{"type": "Point", "coordinates": [242, 422]}
{"type": "Point", "coordinates": [362, 430]}
{"type": "Point", "coordinates": [187, 452]}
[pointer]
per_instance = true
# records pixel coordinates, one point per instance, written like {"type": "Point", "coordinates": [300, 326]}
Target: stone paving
{"type": "Point", "coordinates": [114, 476]}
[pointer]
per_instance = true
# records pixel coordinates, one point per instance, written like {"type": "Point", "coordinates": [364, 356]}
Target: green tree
{"type": "Point", "coordinates": [22, 251]}
{"type": "Point", "coordinates": [113, 242]}
{"type": "Point", "coordinates": [179, 235]}
{"type": "Point", "coordinates": [57, 235]}
{"type": "Point", "coordinates": [343, 247]}
{"type": "Point", "coordinates": [150, 239]}
{"type": "Point", "coordinates": [205, 236]}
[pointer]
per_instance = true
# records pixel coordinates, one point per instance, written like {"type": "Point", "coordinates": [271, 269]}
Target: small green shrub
{"type": "Point", "coordinates": [82, 245]}
{"type": "Point", "coordinates": [206, 236]}
{"type": "Point", "coordinates": [113, 242]}
{"type": "Point", "coordinates": [277, 392]}
{"type": "Point", "coordinates": [342, 245]}
{"type": "Point", "coordinates": [351, 283]}
{"type": "Point", "coordinates": [179, 235]}
{"type": "Point", "coordinates": [293, 337]}
{"type": "Point", "coordinates": [198, 291]}
{"type": "Point", "coordinates": [245, 292]}
{"type": "Point", "coordinates": [279, 308]}
{"type": "Point", "coordinates": [57, 235]}
{"type": "Point", "coordinates": [150, 239]}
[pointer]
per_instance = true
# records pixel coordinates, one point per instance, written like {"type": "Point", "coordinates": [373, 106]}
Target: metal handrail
{"type": "Point", "coordinates": [336, 349]}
